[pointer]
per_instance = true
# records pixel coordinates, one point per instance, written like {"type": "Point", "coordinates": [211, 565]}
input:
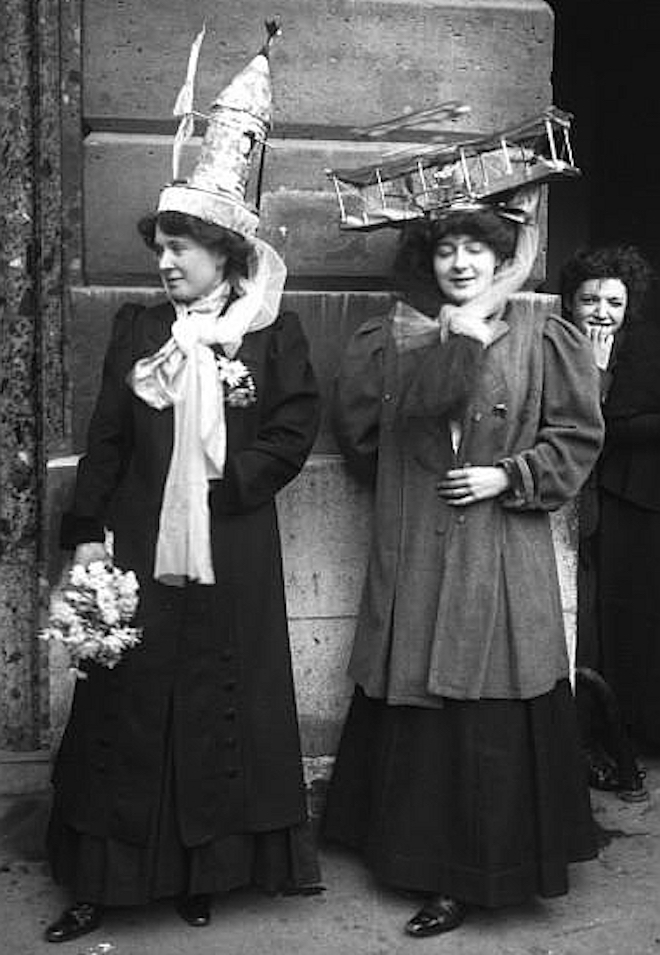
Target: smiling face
{"type": "Point", "coordinates": [600, 303]}
{"type": "Point", "coordinates": [189, 269]}
{"type": "Point", "coordinates": [464, 267]}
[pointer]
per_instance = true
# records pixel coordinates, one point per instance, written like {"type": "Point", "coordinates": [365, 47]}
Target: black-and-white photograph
{"type": "Point", "coordinates": [329, 477]}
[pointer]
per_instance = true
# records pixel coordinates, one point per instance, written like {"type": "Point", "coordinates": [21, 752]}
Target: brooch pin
{"type": "Point", "coordinates": [237, 382]}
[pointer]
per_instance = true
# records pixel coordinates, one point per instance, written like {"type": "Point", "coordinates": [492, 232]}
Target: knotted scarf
{"type": "Point", "coordinates": [183, 374]}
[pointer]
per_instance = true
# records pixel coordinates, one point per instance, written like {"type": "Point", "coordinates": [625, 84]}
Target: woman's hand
{"type": "Point", "coordinates": [463, 486]}
{"type": "Point", "coordinates": [86, 554]}
{"type": "Point", "coordinates": [602, 339]}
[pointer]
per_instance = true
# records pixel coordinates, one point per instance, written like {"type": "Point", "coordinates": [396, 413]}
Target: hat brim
{"type": "Point", "coordinates": [212, 207]}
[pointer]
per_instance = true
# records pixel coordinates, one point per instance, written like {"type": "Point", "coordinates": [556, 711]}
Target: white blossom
{"type": "Point", "coordinates": [88, 615]}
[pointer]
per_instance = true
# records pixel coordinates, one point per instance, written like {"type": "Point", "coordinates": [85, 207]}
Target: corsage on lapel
{"type": "Point", "coordinates": [238, 384]}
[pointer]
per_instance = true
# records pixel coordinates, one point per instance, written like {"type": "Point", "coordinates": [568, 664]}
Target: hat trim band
{"type": "Point", "coordinates": [209, 207]}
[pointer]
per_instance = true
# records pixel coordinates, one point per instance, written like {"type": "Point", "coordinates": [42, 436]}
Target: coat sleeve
{"type": "Point", "coordinates": [109, 439]}
{"type": "Point", "coordinates": [570, 433]}
{"type": "Point", "coordinates": [358, 399]}
{"type": "Point", "coordinates": [288, 426]}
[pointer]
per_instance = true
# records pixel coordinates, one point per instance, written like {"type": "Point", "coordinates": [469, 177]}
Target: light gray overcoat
{"type": "Point", "coordinates": [464, 602]}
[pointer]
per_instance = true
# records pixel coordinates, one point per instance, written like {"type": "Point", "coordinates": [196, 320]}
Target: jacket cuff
{"type": "Point", "coordinates": [224, 494]}
{"type": "Point", "coordinates": [520, 492]}
{"type": "Point", "coordinates": [76, 530]}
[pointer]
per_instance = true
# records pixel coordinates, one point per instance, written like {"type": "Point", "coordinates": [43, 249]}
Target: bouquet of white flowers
{"type": "Point", "coordinates": [90, 615]}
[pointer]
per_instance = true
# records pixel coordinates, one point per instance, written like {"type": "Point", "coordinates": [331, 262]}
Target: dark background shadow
{"type": "Point", "coordinates": [607, 72]}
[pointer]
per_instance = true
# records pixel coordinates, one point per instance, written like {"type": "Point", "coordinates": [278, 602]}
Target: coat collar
{"type": "Point", "coordinates": [157, 321]}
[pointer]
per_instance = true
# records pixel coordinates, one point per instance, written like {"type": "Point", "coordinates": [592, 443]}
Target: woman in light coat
{"type": "Point", "coordinates": [458, 775]}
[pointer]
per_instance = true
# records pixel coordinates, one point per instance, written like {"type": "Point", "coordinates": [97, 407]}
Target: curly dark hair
{"type": "Point", "coordinates": [413, 264]}
{"type": "Point", "coordinates": [623, 262]}
{"type": "Point", "coordinates": [213, 237]}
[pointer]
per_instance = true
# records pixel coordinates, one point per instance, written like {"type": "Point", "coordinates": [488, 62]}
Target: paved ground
{"type": "Point", "coordinates": [613, 908]}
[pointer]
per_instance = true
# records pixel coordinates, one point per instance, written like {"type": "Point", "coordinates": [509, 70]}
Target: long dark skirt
{"type": "Point", "coordinates": [113, 873]}
{"type": "Point", "coordinates": [629, 612]}
{"type": "Point", "coordinates": [486, 801]}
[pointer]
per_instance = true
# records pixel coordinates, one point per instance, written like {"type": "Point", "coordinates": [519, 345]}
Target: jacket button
{"type": "Point", "coordinates": [230, 713]}
{"type": "Point", "coordinates": [231, 773]}
{"type": "Point", "coordinates": [460, 519]}
{"type": "Point", "coordinates": [231, 742]}
{"type": "Point", "coordinates": [477, 416]}
{"type": "Point", "coordinates": [230, 685]}
{"type": "Point", "coordinates": [227, 655]}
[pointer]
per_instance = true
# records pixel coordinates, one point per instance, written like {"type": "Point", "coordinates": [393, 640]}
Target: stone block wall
{"type": "Point", "coordinates": [338, 65]}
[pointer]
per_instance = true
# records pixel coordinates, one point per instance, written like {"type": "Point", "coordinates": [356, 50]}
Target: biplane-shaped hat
{"type": "Point", "coordinates": [444, 171]}
{"type": "Point", "coordinates": [236, 132]}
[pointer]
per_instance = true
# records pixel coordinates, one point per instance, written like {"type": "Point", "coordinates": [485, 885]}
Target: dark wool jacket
{"type": "Point", "coordinates": [630, 463]}
{"type": "Point", "coordinates": [213, 669]}
{"type": "Point", "coordinates": [464, 602]}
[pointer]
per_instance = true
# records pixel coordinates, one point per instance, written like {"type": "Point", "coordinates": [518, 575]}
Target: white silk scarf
{"type": "Point", "coordinates": [183, 374]}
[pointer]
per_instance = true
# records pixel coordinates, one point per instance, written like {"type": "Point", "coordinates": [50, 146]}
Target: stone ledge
{"type": "Point", "coordinates": [328, 318]}
{"type": "Point", "coordinates": [24, 772]}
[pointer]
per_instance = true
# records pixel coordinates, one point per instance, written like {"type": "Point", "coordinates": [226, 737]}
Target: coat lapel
{"type": "Point", "coordinates": [156, 325]}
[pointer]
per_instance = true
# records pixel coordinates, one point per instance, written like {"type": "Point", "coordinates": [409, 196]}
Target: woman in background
{"type": "Point", "coordinates": [603, 292]}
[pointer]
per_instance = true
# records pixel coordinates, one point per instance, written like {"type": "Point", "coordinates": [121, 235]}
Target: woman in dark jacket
{"type": "Point", "coordinates": [458, 773]}
{"type": "Point", "coordinates": [603, 292]}
{"type": "Point", "coordinates": [179, 773]}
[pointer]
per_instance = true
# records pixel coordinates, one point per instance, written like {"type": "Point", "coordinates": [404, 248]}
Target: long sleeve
{"type": "Point", "coordinates": [570, 432]}
{"type": "Point", "coordinates": [289, 420]}
{"type": "Point", "coordinates": [358, 399]}
{"type": "Point", "coordinates": [108, 442]}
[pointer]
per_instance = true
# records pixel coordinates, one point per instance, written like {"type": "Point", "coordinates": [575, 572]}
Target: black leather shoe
{"type": "Point", "coordinates": [439, 914]}
{"type": "Point", "coordinates": [195, 909]}
{"type": "Point", "coordinates": [80, 919]}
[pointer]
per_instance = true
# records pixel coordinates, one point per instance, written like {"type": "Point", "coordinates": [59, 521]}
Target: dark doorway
{"type": "Point", "coordinates": [606, 73]}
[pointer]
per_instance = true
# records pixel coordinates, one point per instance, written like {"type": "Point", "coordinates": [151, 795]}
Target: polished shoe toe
{"type": "Point", "coordinates": [78, 920]}
{"type": "Point", "coordinates": [440, 914]}
{"type": "Point", "coordinates": [195, 910]}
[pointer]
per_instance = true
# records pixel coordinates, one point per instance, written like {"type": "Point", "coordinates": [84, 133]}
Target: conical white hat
{"type": "Point", "coordinates": [238, 125]}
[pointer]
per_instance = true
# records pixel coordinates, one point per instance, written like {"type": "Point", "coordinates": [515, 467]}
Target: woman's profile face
{"type": "Point", "coordinates": [189, 270]}
{"type": "Point", "coordinates": [464, 267]}
{"type": "Point", "coordinates": [600, 303]}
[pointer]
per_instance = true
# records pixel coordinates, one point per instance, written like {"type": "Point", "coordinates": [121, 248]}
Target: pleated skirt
{"type": "Point", "coordinates": [108, 872]}
{"type": "Point", "coordinates": [486, 800]}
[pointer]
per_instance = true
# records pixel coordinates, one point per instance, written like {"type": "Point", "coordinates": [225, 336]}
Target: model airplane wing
{"type": "Point", "coordinates": [427, 178]}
